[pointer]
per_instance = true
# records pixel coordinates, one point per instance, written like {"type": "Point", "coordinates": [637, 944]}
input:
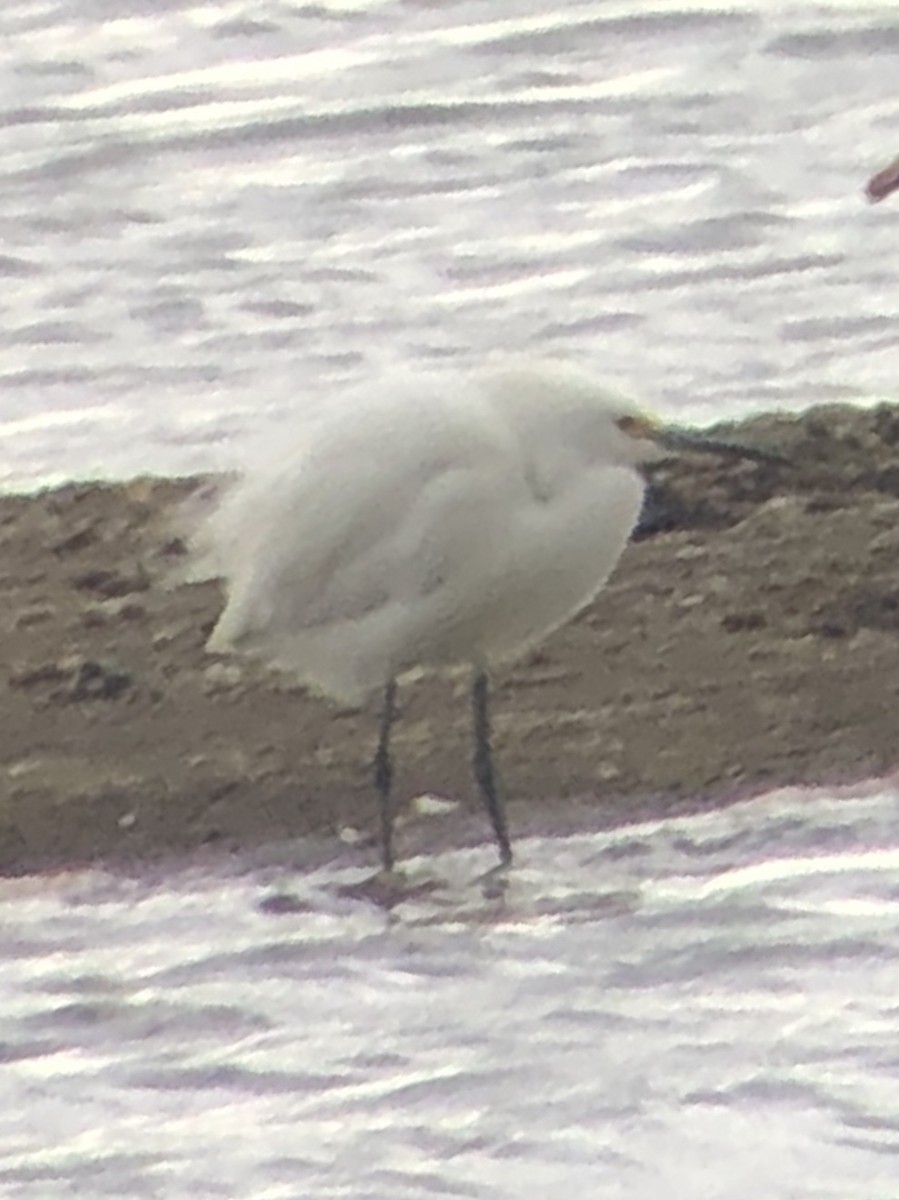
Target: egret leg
{"type": "Point", "coordinates": [483, 766]}
{"type": "Point", "coordinates": [384, 775]}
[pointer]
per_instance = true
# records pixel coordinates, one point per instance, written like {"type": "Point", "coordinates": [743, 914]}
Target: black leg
{"type": "Point", "coordinates": [483, 766]}
{"type": "Point", "coordinates": [384, 774]}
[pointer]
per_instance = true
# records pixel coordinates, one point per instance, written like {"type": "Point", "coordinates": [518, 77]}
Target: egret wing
{"type": "Point", "coordinates": [364, 511]}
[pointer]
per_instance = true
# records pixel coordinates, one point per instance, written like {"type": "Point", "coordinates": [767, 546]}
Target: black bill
{"type": "Point", "coordinates": [679, 441]}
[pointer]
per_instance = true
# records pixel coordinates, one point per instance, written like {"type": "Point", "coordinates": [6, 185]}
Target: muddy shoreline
{"type": "Point", "coordinates": [749, 638]}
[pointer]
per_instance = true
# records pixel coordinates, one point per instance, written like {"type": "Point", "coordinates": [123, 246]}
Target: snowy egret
{"type": "Point", "coordinates": [880, 185]}
{"type": "Point", "coordinates": [432, 526]}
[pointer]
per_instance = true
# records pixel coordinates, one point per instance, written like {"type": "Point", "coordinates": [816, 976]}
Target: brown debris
{"type": "Point", "coordinates": [880, 186]}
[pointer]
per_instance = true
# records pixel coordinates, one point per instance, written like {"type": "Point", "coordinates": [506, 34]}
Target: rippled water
{"type": "Point", "coordinates": [699, 1007]}
{"type": "Point", "coordinates": [210, 211]}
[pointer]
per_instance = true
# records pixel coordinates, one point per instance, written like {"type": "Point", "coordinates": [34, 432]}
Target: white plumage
{"type": "Point", "coordinates": [427, 525]}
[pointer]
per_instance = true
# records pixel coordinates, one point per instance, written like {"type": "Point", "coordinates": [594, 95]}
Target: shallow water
{"type": "Point", "coordinates": [212, 211]}
{"type": "Point", "coordinates": [697, 1007]}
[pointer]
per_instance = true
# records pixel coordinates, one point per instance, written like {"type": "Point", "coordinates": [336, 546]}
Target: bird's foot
{"type": "Point", "coordinates": [495, 882]}
{"type": "Point", "coordinates": [388, 888]}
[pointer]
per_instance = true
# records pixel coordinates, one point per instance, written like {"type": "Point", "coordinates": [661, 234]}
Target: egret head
{"type": "Point", "coordinates": [558, 406]}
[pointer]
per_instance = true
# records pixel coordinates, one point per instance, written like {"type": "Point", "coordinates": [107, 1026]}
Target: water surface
{"type": "Point", "coordinates": [212, 212]}
{"type": "Point", "coordinates": [696, 1007]}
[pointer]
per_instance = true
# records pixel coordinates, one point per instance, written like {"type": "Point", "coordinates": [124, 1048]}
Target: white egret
{"type": "Point", "coordinates": [430, 526]}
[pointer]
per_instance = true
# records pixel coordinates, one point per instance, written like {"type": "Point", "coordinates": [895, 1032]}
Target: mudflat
{"type": "Point", "coordinates": [749, 638]}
